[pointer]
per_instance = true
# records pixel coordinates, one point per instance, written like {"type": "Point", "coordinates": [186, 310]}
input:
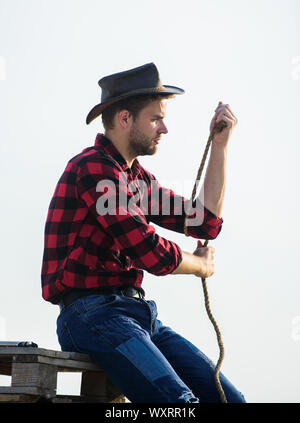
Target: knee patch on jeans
{"type": "Point", "coordinates": [143, 359]}
{"type": "Point", "coordinates": [157, 370]}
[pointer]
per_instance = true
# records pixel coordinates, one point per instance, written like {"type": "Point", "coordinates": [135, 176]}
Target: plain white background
{"type": "Point", "coordinates": [245, 53]}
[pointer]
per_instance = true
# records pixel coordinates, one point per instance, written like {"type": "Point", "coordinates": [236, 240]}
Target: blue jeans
{"type": "Point", "coordinates": [146, 360]}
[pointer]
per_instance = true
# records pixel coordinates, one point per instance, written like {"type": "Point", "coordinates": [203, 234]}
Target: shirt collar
{"type": "Point", "coordinates": [105, 144]}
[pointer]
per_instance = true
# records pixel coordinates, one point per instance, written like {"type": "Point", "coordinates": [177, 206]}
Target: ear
{"type": "Point", "coordinates": [124, 118]}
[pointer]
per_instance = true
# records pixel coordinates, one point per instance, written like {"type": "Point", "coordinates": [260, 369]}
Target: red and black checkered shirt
{"type": "Point", "coordinates": [98, 230]}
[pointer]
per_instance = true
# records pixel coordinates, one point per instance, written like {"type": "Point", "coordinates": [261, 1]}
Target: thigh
{"type": "Point", "coordinates": [124, 350]}
{"type": "Point", "coordinates": [193, 367]}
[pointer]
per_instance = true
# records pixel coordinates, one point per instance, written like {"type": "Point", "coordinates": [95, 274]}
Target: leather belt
{"type": "Point", "coordinates": [127, 291]}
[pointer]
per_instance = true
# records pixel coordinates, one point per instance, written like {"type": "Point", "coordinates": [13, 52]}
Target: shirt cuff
{"type": "Point", "coordinates": [176, 259]}
{"type": "Point", "coordinates": [206, 225]}
{"type": "Point", "coordinates": [211, 215]}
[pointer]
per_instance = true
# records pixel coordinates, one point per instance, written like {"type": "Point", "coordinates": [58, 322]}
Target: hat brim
{"type": "Point", "coordinates": [165, 89]}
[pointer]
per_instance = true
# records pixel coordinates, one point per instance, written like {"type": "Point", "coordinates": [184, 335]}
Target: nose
{"type": "Point", "coordinates": [163, 129]}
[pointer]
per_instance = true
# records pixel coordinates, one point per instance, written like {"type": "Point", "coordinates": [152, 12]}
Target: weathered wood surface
{"type": "Point", "coordinates": [6, 354]}
{"type": "Point", "coordinates": [34, 376]}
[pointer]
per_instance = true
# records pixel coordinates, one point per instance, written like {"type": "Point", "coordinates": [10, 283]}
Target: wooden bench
{"type": "Point", "coordinates": [34, 371]}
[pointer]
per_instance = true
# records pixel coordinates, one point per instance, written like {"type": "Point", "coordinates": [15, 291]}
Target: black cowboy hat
{"type": "Point", "coordinates": [141, 80]}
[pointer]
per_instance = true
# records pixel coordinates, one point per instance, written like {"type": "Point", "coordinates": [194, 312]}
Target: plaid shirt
{"type": "Point", "coordinates": [86, 248]}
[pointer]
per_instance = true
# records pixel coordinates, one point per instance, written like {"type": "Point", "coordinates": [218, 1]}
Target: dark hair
{"type": "Point", "coordinates": [133, 104]}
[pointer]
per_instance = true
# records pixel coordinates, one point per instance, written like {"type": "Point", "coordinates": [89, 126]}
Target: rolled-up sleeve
{"type": "Point", "coordinates": [169, 210]}
{"type": "Point", "coordinates": [104, 191]}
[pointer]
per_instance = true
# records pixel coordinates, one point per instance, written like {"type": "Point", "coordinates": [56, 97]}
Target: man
{"type": "Point", "coordinates": [99, 241]}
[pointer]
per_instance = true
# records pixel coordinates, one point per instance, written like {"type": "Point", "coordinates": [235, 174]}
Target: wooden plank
{"type": "Point", "coordinates": [18, 398]}
{"type": "Point", "coordinates": [34, 374]}
{"type": "Point", "coordinates": [22, 390]}
{"type": "Point", "coordinates": [63, 365]}
{"type": "Point", "coordinates": [81, 399]}
{"type": "Point", "coordinates": [74, 399]}
{"type": "Point", "coordinates": [19, 395]}
{"type": "Point", "coordinates": [63, 359]}
{"type": "Point", "coordinates": [39, 377]}
{"type": "Point", "coordinates": [14, 351]}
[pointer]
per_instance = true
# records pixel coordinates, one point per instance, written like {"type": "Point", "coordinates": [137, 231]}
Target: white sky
{"type": "Point", "coordinates": [245, 53]}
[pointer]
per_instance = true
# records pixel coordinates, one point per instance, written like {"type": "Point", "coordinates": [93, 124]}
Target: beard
{"type": "Point", "coordinates": [140, 144]}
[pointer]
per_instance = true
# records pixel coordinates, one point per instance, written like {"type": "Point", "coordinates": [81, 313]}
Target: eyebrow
{"type": "Point", "coordinates": [160, 116]}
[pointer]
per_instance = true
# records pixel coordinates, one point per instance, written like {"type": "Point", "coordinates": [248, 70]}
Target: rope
{"type": "Point", "coordinates": [217, 128]}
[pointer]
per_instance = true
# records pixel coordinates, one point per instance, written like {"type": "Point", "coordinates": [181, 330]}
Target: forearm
{"type": "Point", "coordinates": [213, 188]}
{"type": "Point", "coordinates": [189, 265]}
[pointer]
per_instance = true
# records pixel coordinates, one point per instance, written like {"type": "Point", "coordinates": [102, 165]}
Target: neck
{"type": "Point", "coordinates": [121, 144]}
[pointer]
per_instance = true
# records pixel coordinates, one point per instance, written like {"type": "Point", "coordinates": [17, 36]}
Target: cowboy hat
{"type": "Point", "coordinates": [141, 80]}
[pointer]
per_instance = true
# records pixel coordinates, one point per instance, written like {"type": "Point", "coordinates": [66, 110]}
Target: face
{"type": "Point", "coordinates": [146, 131]}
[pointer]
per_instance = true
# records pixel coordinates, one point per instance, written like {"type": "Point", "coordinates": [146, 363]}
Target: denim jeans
{"type": "Point", "coordinates": [146, 360]}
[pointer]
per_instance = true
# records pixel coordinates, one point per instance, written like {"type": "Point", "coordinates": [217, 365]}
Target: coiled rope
{"type": "Point", "coordinates": [217, 128]}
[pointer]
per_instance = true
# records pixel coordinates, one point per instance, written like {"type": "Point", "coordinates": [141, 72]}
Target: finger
{"type": "Point", "coordinates": [224, 114]}
{"type": "Point", "coordinates": [229, 109]}
{"type": "Point", "coordinates": [230, 112]}
{"type": "Point", "coordinates": [219, 110]}
{"type": "Point", "coordinates": [219, 105]}
{"type": "Point", "coordinates": [230, 122]}
{"type": "Point", "coordinates": [225, 107]}
{"type": "Point", "coordinates": [221, 114]}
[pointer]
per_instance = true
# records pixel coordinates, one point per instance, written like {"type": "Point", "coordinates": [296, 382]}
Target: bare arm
{"type": "Point", "coordinates": [200, 263]}
{"type": "Point", "coordinates": [213, 188]}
